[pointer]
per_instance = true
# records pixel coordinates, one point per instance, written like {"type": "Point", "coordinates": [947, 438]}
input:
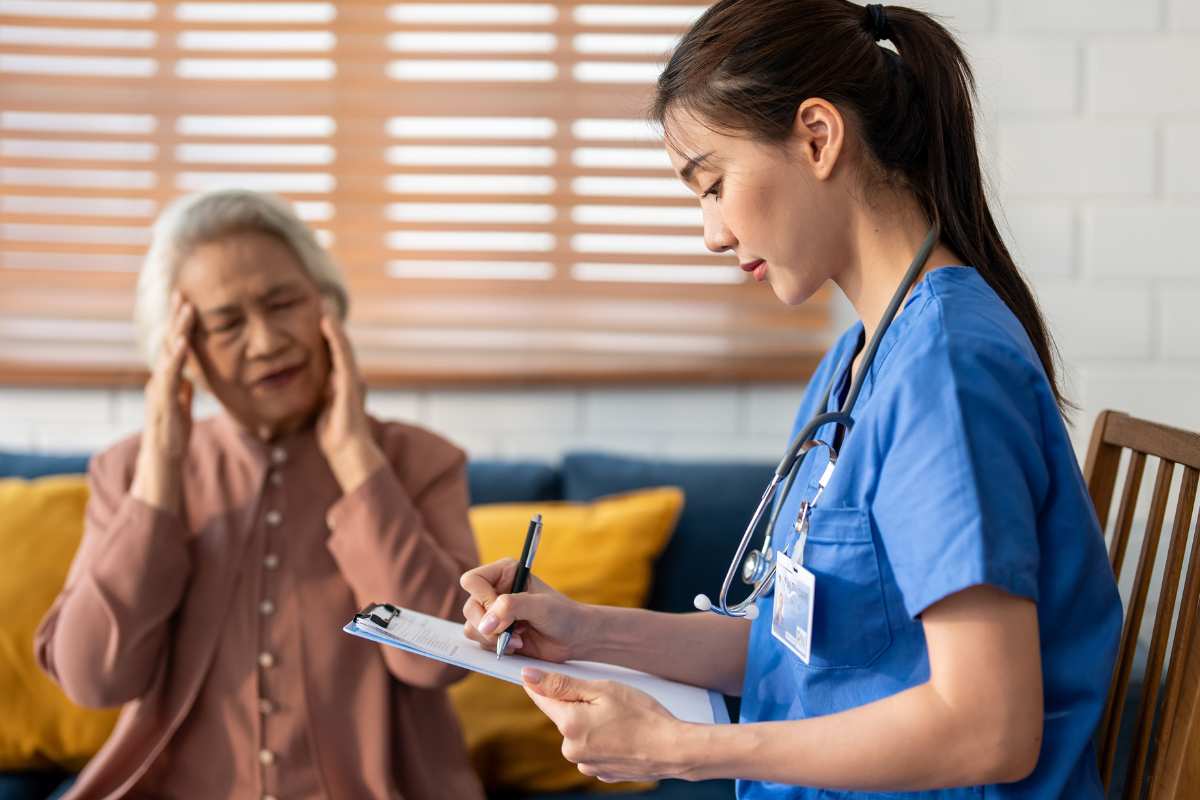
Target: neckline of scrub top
{"type": "Point", "coordinates": [857, 334]}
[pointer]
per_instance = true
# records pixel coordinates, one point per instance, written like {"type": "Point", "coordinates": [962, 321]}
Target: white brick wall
{"type": "Point", "coordinates": [1075, 16]}
{"type": "Point", "coordinates": [1180, 330]}
{"type": "Point", "coordinates": [1077, 158]}
{"type": "Point", "coordinates": [1090, 110]}
{"type": "Point", "coordinates": [1181, 163]}
{"type": "Point", "coordinates": [1133, 77]}
{"type": "Point", "coordinates": [1141, 242]}
{"type": "Point", "coordinates": [1185, 15]}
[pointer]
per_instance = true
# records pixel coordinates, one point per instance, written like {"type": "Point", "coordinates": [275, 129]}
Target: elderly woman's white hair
{"type": "Point", "coordinates": [201, 218]}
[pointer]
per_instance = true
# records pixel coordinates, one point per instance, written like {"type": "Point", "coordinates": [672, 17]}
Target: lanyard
{"type": "Point", "coordinates": [802, 518]}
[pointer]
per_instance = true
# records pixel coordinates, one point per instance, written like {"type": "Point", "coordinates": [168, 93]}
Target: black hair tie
{"type": "Point", "coordinates": [876, 22]}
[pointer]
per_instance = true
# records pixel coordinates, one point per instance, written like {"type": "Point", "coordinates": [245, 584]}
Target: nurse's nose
{"type": "Point", "coordinates": [717, 237]}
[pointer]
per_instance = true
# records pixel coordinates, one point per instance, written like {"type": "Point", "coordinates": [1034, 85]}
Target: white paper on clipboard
{"type": "Point", "coordinates": [445, 641]}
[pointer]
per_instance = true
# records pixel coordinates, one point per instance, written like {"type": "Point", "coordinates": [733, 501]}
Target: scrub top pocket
{"type": "Point", "coordinates": [850, 622]}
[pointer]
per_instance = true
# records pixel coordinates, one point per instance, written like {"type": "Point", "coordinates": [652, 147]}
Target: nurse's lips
{"type": "Point", "coordinates": [758, 267]}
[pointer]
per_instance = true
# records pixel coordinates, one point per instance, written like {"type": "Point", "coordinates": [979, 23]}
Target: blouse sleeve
{"type": "Point", "coordinates": [408, 542]}
{"type": "Point", "coordinates": [106, 634]}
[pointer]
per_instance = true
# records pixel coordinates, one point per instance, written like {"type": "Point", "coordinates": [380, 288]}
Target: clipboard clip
{"type": "Point", "coordinates": [380, 614]}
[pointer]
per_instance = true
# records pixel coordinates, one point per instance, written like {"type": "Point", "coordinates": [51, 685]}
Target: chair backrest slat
{"type": "Point", "coordinates": [1176, 765]}
{"type": "Point", "coordinates": [1129, 498]}
{"type": "Point", "coordinates": [1103, 462]}
{"type": "Point", "coordinates": [1163, 616]}
{"type": "Point", "coordinates": [1166, 741]}
{"type": "Point", "coordinates": [1133, 617]}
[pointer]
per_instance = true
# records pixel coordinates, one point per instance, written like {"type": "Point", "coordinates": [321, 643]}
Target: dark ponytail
{"type": "Point", "coordinates": [746, 65]}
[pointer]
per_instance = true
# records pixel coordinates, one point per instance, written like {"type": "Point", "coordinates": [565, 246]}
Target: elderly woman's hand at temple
{"type": "Point", "coordinates": [168, 415]}
{"type": "Point", "coordinates": [343, 431]}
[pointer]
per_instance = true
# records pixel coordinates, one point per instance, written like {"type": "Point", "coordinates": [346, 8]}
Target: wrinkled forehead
{"type": "Point", "coordinates": [242, 262]}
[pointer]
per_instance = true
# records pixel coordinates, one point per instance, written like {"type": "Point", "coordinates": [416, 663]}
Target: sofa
{"type": "Point", "coordinates": [719, 498]}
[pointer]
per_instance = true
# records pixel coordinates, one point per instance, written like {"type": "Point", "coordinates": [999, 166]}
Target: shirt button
{"type": "Point", "coordinates": [266, 608]}
{"type": "Point", "coordinates": [265, 706]}
{"type": "Point", "coordinates": [274, 518]}
{"type": "Point", "coordinates": [277, 479]}
{"type": "Point", "coordinates": [278, 455]}
{"type": "Point", "coordinates": [266, 757]}
{"type": "Point", "coordinates": [270, 561]}
{"type": "Point", "coordinates": [266, 660]}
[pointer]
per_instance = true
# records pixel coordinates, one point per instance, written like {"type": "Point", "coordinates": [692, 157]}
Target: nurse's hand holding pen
{"type": "Point", "coordinates": [611, 731]}
{"type": "Point", "coordinates": [548, 623]}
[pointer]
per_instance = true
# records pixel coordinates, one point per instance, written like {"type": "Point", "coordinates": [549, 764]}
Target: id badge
{"type": "Point", "coordinates": [792, 617]}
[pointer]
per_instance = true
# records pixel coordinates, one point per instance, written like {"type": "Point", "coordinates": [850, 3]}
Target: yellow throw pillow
{"type": "Point", "coordinates": [600, 552]}
{"type": "Point", "coordinates": [41, 523]}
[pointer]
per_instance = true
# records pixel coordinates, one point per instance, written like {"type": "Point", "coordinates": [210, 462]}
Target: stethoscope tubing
{"type": "Point", "coordinates": [787, 470]}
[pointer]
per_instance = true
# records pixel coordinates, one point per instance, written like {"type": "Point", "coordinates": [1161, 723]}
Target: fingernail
{"type": "Point", "coordinates": [532, 675]}
{"type": "Point", "coordinates": [179, 341]}
{"type": "Point", "coordinates": [516, 642]}
{"type": "Point", "coordinates": [487, 624]}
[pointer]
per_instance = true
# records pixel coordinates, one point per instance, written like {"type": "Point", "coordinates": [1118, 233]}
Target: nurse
{"type": "Point", "coordinates": [965, 619]}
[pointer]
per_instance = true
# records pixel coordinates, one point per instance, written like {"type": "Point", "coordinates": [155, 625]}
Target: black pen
{"type": "Point", "coordinates": [524, 567]}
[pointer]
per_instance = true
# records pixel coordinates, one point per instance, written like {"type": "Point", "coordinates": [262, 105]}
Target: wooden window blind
{"type": "Point", "coordinates": [481, 171]}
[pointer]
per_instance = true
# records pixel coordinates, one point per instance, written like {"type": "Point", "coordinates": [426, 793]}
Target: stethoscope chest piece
{"type": "Point", "coordinates": [756, 566]}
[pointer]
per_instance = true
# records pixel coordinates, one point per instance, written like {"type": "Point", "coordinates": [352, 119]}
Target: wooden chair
{"type": "Point", "coordinates": [1167, 749]}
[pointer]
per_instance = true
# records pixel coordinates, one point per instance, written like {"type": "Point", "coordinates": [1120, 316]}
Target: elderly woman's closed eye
{"type": "Point", "coordinates": [222, 556]}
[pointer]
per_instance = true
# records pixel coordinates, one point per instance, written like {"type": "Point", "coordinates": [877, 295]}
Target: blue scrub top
{"type": "Point", "coordinates": [958, 472]}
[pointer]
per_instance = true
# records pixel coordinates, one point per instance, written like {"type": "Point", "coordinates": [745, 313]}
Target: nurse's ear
{"type": "Point", "coordinates": [818, 134]}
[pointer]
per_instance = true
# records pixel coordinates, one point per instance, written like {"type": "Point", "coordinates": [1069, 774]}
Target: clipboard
{"type": "Point", "coordinates": [445, 641]}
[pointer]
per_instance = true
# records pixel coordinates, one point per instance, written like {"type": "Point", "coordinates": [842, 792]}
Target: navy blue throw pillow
{"type": "Point", "coordinates": [513, 482]}
{"type": "Point", "coordinates": [37, 465]}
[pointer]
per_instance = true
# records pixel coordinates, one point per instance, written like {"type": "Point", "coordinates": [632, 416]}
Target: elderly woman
{"type": "Point", "coordinates": [221, 559]}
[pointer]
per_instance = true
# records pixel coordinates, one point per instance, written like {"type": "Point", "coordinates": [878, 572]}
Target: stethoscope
{"type": "Point", "coordinates": [758, 567]}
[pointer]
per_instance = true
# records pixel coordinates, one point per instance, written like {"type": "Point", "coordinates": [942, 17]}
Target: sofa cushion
{"type": "Point", "coordinates": [512, 482]}
{"type": "Point", "coordinates": [598, 552]}
{"type": "Point", "coordinates": [41, 523]}
{"type": "Point", "coordinates": [37, 465]}
{"type": "Point", "coordinates": [719, 498]}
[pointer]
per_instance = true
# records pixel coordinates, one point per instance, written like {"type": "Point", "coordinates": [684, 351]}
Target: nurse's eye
{"type": "Point", "coordinates": [714, 190]}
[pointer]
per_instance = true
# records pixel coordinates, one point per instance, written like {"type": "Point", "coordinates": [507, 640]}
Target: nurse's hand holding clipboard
{"type": "Point", "coordinates": [610, 731]}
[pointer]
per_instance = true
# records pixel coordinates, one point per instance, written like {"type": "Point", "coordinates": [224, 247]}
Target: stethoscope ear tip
{"type": "Point", "coordinates": [702, 603]}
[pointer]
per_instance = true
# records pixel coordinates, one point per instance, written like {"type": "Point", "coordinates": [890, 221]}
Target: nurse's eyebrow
{"type": "Point", "coordinates": [690, 167]}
